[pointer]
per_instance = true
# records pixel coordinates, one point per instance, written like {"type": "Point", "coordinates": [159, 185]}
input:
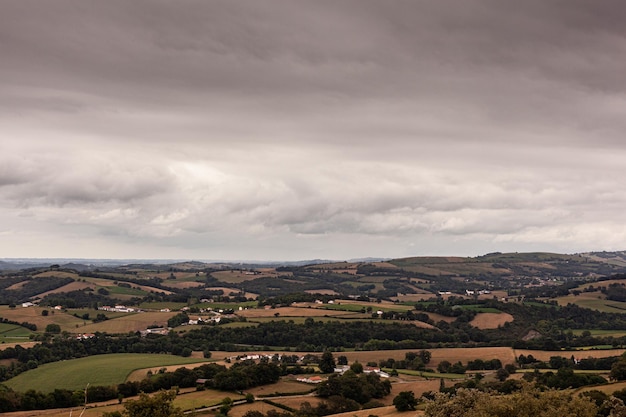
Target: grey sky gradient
{"type": "Point", "coordinates": [282, 130]}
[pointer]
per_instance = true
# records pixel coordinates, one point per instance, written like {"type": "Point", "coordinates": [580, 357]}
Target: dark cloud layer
{"type": "Point", "coordinates": [287, 129]}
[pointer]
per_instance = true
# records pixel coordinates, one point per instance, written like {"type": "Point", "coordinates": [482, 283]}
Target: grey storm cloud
{"type": "Point", "coordinates": [293, 129]}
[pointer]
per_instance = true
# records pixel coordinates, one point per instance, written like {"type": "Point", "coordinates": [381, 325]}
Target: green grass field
{"type": "Point", "coordinates": [94, 370]}
{"type": "Point", "coordinates": [13, 333]}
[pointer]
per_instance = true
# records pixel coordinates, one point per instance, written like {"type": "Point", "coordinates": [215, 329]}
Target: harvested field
{"type": "Point", "coordinates": [544, 355]}
{"type": "Point", "coordinates": [130, 323]}
{"type": "Point", "coordinates": [505, 354]}
{"type": "Point", "coordinates": [417, 386]}
{"type": "Point", "coordinates": [322, 292]}
{"type": "Point", "coordinates": [491, 320]}
{"type": "Point", "coordinates": [438, 317]}
{"type": "Point", "coordinates": [240, 410]}
{"type": "Point", "coordinates": [25, 345]}
{"type": "Point", "coordinates": [33, 315]}
{"type": "Point", "coordinates": [422, 324]}
{"type": "Point", "coordinates": [281, 387]}
{"type": "Point", "coordinates": [236, 277]}
{"type": "Point", "coordinates": [17, 285]}
{"type": "Point", "coordinates": [228, 290]}
{"type": "Point", "coordinates": [72, 286]}
{"type": "Point", "coordinates": [183, 284]}
{"type": "Point", "coordinates": [290, 312]}
{"type": "Point", "coordinates": [420, 295]}
{"type": "Point", "coordinates": [607, 389]}
{"type": "Point", "coordinates": [388, 411]}
{"type": "Point", "coordinates": [296, 402]}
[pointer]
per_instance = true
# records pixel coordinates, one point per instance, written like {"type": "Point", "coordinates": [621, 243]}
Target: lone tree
{"type": "Point", "coordinates": [405, 401]}
{"type": "Point", "coordinates": [327, 363]}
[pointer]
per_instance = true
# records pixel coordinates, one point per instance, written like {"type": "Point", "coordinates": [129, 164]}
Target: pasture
{"type": "Point", "coordinates": [75, 374]}
{"type": "Point", "coordinates": [33, 315]}
{"type": "Point", "coordinates": [14, 333]}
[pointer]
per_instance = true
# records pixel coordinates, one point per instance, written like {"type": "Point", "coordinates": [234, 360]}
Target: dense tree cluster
{"type": "Point", "coordinates": [356, 387]}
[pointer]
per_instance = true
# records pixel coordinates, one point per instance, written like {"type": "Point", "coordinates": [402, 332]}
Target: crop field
{"type": "Point", "coordinates": [72, 286]}
{"type": "Point", "coordinates": [544, 355]}
{"type": "Point", "coordinates": [183, 284]}
{"type": "Point", "coordinates": [95, 370]}
{"type": "Point", "coordinates": [128, 323]}
{"type": "Point", "coordinates": [490, 320]}
{"type": "Point", "coordinates": [606, 388]}
{"type": "Point", "coordinates": [505, 354]}
{"type": "Point", "coordinates": [284, 386]}
{"type": "Point", "coordinates": [8, 344]}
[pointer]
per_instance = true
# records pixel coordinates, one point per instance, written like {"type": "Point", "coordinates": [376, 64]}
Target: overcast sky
{"type": "Point", "coordinates": [286, 130]}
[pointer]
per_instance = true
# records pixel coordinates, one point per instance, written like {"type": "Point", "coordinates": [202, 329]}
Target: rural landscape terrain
{"type": "Point", "coordinates": [368, 338]}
